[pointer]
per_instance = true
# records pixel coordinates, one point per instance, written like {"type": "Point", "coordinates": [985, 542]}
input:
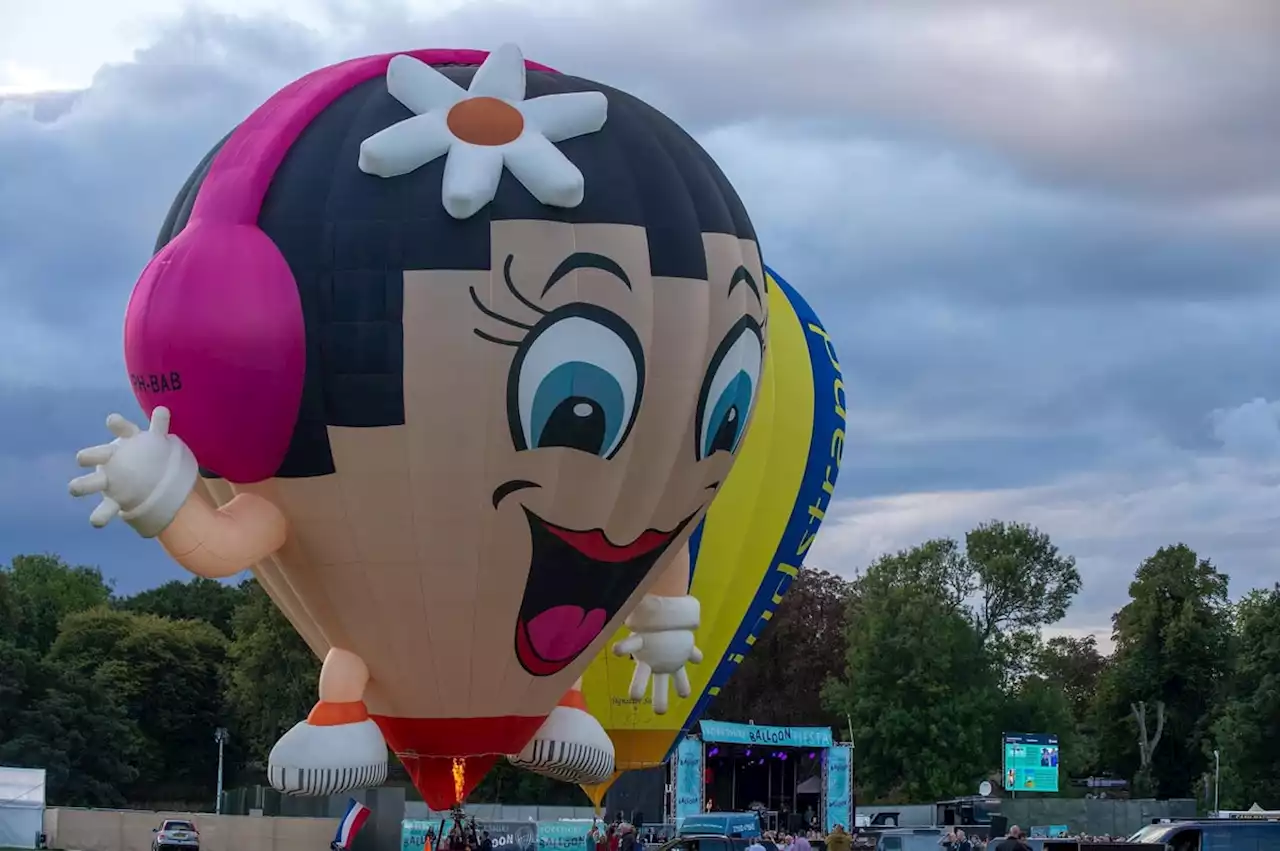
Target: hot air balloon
{"type": "Point", "coordinates": [454, 351]}
{"type": "Point", "coordinates": [744, 556]}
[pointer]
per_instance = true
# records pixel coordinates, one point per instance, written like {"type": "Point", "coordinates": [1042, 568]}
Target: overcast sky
{"type": "Point", "coordinates": [1046, 238]}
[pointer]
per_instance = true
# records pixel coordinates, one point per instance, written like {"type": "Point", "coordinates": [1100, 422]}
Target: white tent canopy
{"type": "Point", "coordinates": [21, 806]}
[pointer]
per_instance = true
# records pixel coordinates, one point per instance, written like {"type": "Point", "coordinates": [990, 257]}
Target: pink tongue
{"type": "Point", "coordinates": [563, 632]}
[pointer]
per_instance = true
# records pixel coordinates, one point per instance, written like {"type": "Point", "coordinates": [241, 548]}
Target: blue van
{"type": "Point", "coordinates": [744, 825]}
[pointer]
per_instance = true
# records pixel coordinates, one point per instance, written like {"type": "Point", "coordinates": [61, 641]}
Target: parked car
{"type": "Point", "coordinates": [175, 834]}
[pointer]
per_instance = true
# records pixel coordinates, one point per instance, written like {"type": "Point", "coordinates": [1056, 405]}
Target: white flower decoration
{"type": "Point", "coordinates": [482, 129]}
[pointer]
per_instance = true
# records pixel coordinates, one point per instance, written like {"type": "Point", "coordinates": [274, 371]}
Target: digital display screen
{"type": "Point", "coordinates": [1030, 762]}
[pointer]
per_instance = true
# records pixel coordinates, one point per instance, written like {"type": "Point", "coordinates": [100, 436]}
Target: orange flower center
{"type": "Point", "coordinates": [485, 121]}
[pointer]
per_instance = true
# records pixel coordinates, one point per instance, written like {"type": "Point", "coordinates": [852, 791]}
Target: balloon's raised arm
{"type": "Point", "coordinates": [147, 478]}
{"type": "Point", "coordinates": [215, 543]}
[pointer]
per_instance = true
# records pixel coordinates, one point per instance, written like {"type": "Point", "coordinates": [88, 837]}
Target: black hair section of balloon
{"type": "Point", "coordinates": [348, 237]}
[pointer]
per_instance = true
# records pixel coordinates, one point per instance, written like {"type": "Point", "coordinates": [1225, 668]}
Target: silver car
{"type": "Point", "coordinates": [175, 834]}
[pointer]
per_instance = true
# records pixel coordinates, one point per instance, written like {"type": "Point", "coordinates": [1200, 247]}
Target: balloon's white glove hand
{"type": "Point", "coordinates": [144, 476]}
{"type": "Point", "coordinates": [661, 644]}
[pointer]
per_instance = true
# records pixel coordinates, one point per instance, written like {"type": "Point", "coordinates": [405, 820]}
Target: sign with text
{"type": "Point", "coordinates": [839, 791]}
{"type": "Point", "coordinates": [505, 835]}
{"type": "Point", "coordinates": [758, 734]}
{"type": "Point", "coordinates": [1030, 762]}
{"type": "Point", "coordinates": [563, 835]}
{"type": "Point", "coordinates": [689, 779]}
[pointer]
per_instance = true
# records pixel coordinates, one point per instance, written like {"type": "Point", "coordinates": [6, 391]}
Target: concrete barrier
{"type": "Point", "coordinates": [71, 829]}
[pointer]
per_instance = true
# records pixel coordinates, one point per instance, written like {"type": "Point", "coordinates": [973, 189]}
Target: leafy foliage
{"type": "Point", "coordinates": [802, 646]}
{"type": "Point", "coordinates": [927, 656]}
{"type": "Point", "coordinates": [1172, 642]}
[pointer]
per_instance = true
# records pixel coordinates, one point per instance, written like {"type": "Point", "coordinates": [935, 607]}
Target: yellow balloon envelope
{"type": "Point", "coordinates": [754, 538]}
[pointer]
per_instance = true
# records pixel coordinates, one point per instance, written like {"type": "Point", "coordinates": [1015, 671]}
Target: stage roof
{"type": "Point", "coordinates": [760, 734]}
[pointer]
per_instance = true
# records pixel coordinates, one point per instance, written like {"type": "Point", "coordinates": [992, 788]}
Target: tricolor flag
{"type": "Point", "coordinates": [357, 814]}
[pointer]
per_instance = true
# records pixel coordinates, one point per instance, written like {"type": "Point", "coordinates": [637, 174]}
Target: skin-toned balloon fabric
{"type": "Point", "coordinates": [500, 377]}
{"type": "Point", "coordinates": [755, 537]}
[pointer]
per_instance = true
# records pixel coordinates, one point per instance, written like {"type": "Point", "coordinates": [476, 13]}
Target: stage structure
{"type": "Point", "coordinates": [790, 774]}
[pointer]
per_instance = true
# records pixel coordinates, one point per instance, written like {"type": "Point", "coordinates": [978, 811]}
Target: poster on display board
{"type": "Point", "coordinates": [1030, 762]}
{"type": "Point", "coordinates": [689, 780]}
{"type": "Point", "coordinates": [837, 796]}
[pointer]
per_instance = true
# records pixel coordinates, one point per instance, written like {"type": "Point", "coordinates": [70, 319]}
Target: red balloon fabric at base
{"type": "Point", "coordinates": [418, 742]}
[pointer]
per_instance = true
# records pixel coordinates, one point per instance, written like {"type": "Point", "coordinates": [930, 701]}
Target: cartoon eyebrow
{"type": "Point", "coordinates": [741, 275]}
{"type": "Point", "coordinates": [586, 260]}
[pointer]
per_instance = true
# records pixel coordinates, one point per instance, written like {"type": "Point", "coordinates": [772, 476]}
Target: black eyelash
{"type": "Point", "coordinates": [493, 314]}
{"type": "Point", "coordinates": [489, 338]}
{"type": "Point", "coordinates": [506, 276]}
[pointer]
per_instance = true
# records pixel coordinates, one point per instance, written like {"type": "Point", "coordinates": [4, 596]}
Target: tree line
{"type": "Point", "coordinates": [924, 658]}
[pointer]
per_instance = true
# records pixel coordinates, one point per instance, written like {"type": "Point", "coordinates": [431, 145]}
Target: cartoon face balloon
{"type": "Point", "coordinates": [463, 354]}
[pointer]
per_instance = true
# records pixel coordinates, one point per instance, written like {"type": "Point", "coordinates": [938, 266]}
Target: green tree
{"type": "Point", "coordinates": [10, 610]}
{"type": "Point", "coordinates": [46, 590]}
{"type": "Point", "coordinates": [1247, 734]}
{"type": "Point", "coordinates": [272, 673]}
{"type": "Point", "coordinates": [1172, 643]}
{"type": "Point", "coordinates": [1010, 581]}
{"type": "Point", "coordinates": [1076, 665]}
{"type": "Point", "coordinates": [1024, 584]}
{"type": "Point", "coordinates": [197, 599]}
{"type": "Point", "coordinates": [169, 675]}
{"type": "Point", "coordinates": [802, 646]}
{"type": "Point", "coordinates": [78, 729]}
{"type": "Point", "coordinates": [1073, 666]}
{"type": "Point", "coordinates": [918, 687]}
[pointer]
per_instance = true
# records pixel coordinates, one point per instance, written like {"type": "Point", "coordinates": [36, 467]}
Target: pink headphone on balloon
{"type": "Point", "coordinates": [215, 329]}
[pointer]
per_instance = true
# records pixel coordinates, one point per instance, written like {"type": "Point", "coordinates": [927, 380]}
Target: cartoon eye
{"type": "Point", "coordinates": [729, 388]}
{"type": "Point", "coordinates": [576, 382]}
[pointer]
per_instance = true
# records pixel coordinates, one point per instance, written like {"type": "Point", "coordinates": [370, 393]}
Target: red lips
{"type": "Point", "coordinates": [595, 545]}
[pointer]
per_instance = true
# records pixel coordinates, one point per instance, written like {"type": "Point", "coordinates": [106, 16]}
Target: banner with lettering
{"type": "Point", "coordinates": [689, 779]}
{"type": "Point", "coordinates": [759, 734]}
{"type": "Point", "coordinates": [563, 835]}
{"type": "Point", "coordinates": [839, 791]}
{"type": "Point", "coordinates": [505, 835]}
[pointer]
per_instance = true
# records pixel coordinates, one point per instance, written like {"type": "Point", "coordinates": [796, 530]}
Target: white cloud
{"type": "Point", "coordinates": [1250, 431]}
{"type": "Point", "coordinates": [1224, 507]}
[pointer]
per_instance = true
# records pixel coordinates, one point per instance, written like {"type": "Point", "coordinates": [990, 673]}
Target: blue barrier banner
{"type": "Point", "coordinates": [563, 835]}
{"type": "Point", "coordinates": [689, 779]}
{"type": "Point", "coordinates": [839, 791]}
{"type": "Point", "coordinates": [505, 835]}
{"type": "Point", "coordinates": [758, 734]}
{"type": "Point", "coordinates": [413, 833]}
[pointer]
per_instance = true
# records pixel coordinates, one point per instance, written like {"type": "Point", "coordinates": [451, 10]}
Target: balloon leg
{"type": "Point", "coordinates": [338, 748]}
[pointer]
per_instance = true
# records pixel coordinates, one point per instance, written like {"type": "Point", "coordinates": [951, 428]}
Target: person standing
{"type": "Point", "coordinates": [839, 839]}
{"type": "Point", "coordinates": [1013, 841]}
{"type": "Point", "coordinates": [628, 841]}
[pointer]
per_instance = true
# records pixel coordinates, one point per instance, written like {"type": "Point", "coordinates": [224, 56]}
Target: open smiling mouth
{"type": "Point", "coordinates": [577, 582]}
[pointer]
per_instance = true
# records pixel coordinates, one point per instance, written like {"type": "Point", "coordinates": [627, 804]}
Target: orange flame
{"type": "Point", "coordinates": [459, 778]}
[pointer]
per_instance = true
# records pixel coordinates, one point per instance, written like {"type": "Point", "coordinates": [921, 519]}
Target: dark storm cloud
{"type": "Point", "coordinates": [1045, 241]}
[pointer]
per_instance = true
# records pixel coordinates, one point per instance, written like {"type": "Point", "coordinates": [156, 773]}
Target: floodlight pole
{"type": "Point", "coordinates": [220, 736]}
{"type": "Point", "coordinates": [1217, 777]}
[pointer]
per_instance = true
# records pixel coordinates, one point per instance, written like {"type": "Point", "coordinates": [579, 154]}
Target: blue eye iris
{"type": "Point", "coordinates": [729, 416]}
{"type": "Point", "coordinates": [578, 405]}
{"type": "Point", "coordinates": [576, 382]}
{"type": "Point", "coordinates": [729, 389]}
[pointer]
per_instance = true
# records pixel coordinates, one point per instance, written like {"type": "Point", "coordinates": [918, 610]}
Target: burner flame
{"type": "Point", "coordinates": [459, 777]}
